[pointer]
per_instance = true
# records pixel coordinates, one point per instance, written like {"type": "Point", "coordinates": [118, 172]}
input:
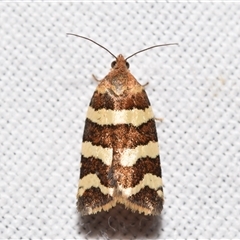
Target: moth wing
{"type": "Point", "coordinates": [95, 188]}
{"type": "Point", "coordinates": [137, 167]}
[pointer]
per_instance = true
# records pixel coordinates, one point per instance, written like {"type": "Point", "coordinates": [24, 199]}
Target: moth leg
{"type": "Point", "coordinates": [145, 84]}
{"type": "Point", "coordinates": [95, 78]}
{"type": "Point", "coordinates": [158, 119]}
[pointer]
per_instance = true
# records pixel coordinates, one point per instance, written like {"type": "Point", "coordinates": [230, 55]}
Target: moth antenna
{"type": "Point", "coordinates": [161, 45]}
{"type": "Point", "coordinates": [72, 34]}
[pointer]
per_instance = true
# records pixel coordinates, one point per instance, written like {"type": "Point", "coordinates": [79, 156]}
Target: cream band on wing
{"type": "Point", "coordinates": [92, 180]}
{"type": "Point", "coordinates": [105, 207]}
{"type": "Point", "coordinates": [135, 117]}
{"type": "Point", "coordinates": [150, 180]}
{"type": "Point", "coordinates": [130, 156]}
{"type": "Point", "coordinates": [135, 207]}
{"type": "Point", "coordinates": [105, 154]}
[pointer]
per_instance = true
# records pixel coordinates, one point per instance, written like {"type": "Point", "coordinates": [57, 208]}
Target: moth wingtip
{"type": "Point", "coordinates": [89, 210]}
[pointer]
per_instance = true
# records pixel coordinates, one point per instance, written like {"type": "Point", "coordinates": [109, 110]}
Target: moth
{"type": "Point", "coordinates": [120, 160]}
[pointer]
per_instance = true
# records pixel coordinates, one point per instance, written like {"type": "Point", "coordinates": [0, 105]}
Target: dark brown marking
{"type": "Point", "coordinates": [120, 135]}
{"type": "Point", "coordinates": [96, 166]}
{"type": "Point", "coordinates": [92, 198]}
{"type": "Point", "coordinates": [125, 101]}
{"type": "Point", "coordinates": [149, 199]}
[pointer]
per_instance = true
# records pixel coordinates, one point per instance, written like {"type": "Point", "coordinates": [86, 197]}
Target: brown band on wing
{"type": "Point", "coordinates": [96, 166]}
{"type": "Point", "coordinates": [149, 199]}
{"type": "Point", "coordinates": [121, 135]}
{"type": "Point", "coordinates": [92, 198]}
{"type": "Point", "coordinates": [126, 101]}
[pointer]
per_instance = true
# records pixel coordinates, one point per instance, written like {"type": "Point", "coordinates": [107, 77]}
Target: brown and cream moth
{"type": "Point", "coordinates": [120, 160]}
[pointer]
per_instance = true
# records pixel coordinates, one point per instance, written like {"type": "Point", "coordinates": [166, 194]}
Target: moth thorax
{"type": "Point", "coordinates": [119, 84]}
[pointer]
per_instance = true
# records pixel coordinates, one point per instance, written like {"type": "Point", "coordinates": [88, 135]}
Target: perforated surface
{"type": "Point", "coordinates": [46, 86]}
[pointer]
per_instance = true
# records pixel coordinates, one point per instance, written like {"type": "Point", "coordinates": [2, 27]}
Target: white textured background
{"type": "Point", "coordinates": [46, 85]}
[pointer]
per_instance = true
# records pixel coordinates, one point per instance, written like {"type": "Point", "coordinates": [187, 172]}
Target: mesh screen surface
{"type": "Point", "coordinates": [46, 85]}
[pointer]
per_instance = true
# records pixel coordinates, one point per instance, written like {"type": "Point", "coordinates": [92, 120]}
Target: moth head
{"type": "Point", "coordinates": [113, 64]}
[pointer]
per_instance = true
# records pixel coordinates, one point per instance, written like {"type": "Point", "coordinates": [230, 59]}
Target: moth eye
{"type": "Point", "coordinates": [113, 64]}
{"type": "Point", "coordinates": [127, 65]}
